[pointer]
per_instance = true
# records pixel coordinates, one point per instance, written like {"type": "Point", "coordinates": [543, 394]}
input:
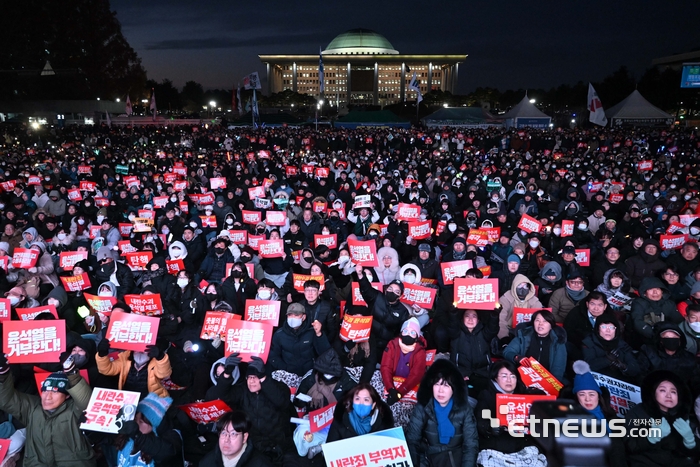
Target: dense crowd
{"type": "Point", "coordinates": [610, 276]}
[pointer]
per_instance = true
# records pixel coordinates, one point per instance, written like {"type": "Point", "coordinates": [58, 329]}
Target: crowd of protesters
{"type": "Point", "coordinates": [629, 309]}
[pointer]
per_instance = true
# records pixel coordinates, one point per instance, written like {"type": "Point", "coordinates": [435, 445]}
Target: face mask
{"type": "Point", "coordinates": [219, 251]}
{"type": "Point", "coordinates": [2, 206]}
{"type": "Point", "coordinates": [229, 221]}
{"type": "Point", "coordinates": [410, 278]}
{"type": "Point", "coordinates": [362, 410]}
{"type": "Point", "coordinates": [14, 300]}
{"type": "Point", "coordinates": [173, 199]}
{"type": "Point", "coordinates": [236, 274]}
{"type": "Point", "coordinates": [521, 191]}
{"type": "Point", "coordinates": [452, 227]}
{"type": "Point", "coordinates": [671, 343]}
{"type": "Point", "coordinates": [264, 294]}
{"type": "Point", "coordinates": [695, 327]}
{"type": "Point", "coordinates": [105, 293]}
{"type": "Point", "coordinates": [521, 293]}
{"type": "Point", "coordinates": [212, 297]}
{"type": "Point", "coordinates": [182, 282]}
{"type": "Point", "coordinates": [656, 194]}
{"type": "Point", "coordinates": [556, 231]}
{"type": "Point", "coordinates": [108, 268]}
{"type": "Point", "coordinates": [131, 217]}
{"type": "Point", "coordinates": [687, 197]}
{"type": "Point", "coordinates": [294, 322]}
{"type": "Point", "coordinates": [408, 340]}
{"type": "Point", "coordinates": [534, 244]}
{"type": "Point", "coordinates": [61, 236]}
{"type": "Point", "coordinates": [193, 225]}
{"type": "Point", "coordinates": [165, 230]}
{"type": "Point", "coordinates": [658, 209]}
{"type": "Point", "coordinates": [140, 358]}
{"type": "Point", "coordinates": [582, 227]}
{"type": "Point", "coordinates": [100, 219]}
{"type": "Point", "coordinates": [391, 297]}
{"type": "Point", "coordinates": [79, 360]}
{"type": "Point", "coordinates": [674, 199]}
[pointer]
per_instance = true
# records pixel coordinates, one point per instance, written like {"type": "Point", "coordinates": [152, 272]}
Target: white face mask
{"type": "Point", "coordinates": [521, 255]}
{"type": "Point", "coordinates": [410, 278]}
{"type": "Point", "coordinates": [132, 217]}
{"type": "Point", "coordinates": [452, 227]}
{"type": "Point", "coordinates": [694, 231]}
{"type": "Point", "coordinates": [695, 327]}
{"type": "Point", "coordinates": [193, 225]}
{"type": "Point", "coordinates": [81, 221]}
{"type": "Point", "coordinates": [557, 231]}
{"type": "Point", "coordinates": [294, 322]}
{"type": "Point", "coordinates": [100, 219]}
{"type": "Point", "coordinates": [175, 252]}
{"type": "Point", "coordinates": [140, 358]}
{"type": "Point", "coordinates": [105, 293]}
{"type": "Point", "coordinates": [229, 221]}
{"type": "Point", "coordinates": [674, 199]}
{"type": "Point", "coordinates": [582, 226]}
{"type": "Point", "coordinates": [264, 294]}
{"type": "Point", "coordinates": [165, 230]}
{"type": "Point", "coordinates": [343, 259]}
{"type": "Point", "coordinates": [173, 199]}
{"type": "Point", "coordinates": [182, 282]}
{"type": "Point", "coordinates": [13, 300]}
{"type": "Point", "coordinates": [61, 236]}
{"type": "Point", "coordinates": [534, 244]}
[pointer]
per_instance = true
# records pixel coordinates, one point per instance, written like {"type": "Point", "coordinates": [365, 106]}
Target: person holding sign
{"type": "Point", "coordinates": [442, 430]}
{"type": "Point", "coordinates": [404, 357]}
{"type": "Point", "coordinates": [53, 434]}
{"type": "Point", "coordinates": [541, 339]}
{"type": "Point", "coordinates": [360, 412]}
{"type": "Point", "coordinates": [41, 276]}
{"type": "Point", "coordinates": [233, 448]}
{"type": "Point", "coordinates": [108, 270]}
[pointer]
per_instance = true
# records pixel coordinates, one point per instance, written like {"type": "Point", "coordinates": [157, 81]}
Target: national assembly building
{"type": "Point", "coordinates": [362, 67]}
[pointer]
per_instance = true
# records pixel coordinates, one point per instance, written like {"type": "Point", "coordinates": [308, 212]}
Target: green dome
{"type": "Point", "coordinates": [360, 42]}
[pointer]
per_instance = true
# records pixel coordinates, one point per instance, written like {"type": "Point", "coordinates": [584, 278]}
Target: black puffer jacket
{"type": "Point", "coordinates": [124, 277]}
{"type": "Point", "coordinates": [341, 428]}
{"type": "Point", "coordinates": [422, 431]}
{"type": "Point", "coordinates": [643, 265]}
{"type": "Point", "coordinates": [251, 458]}
{"type": "Point", "coordinates": [388, 317]}
{"type": "Point", "coordinates": [328, 363]}
{"type": "Point", "coordinates": [470, 351]}
{"type": "Point", "coordinates": [294, 350]}
{"type": "Point", "coordinates": [646, 313]}
{"type": "Point", "coordinates": [597, 357]}
{"type": "Point", "coordinates": [654, 357]}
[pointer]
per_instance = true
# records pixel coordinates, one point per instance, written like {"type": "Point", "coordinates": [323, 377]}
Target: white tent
{"type": "Point", "coordinates": [635, 110]}
{"type": "Point", "coordinates": [525, 114]}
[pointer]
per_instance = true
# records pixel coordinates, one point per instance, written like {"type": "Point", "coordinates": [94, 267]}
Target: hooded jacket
{"type": "Point", "coordinates": [387, 317]}
{"type": "Point", "coordinates": [386, 275]}
{"type": "Point", "coordinates": [646, 313]}
{"type": "Point", "coordinates": [422, 436]}
{"type": "Point", "coordinates": [654, 357]}
{"type": "Point", "coordinates": [524, 334]}
{"type": "Point", "coordinates": [471, 350]}
{"type": "Point", "coordinates": [606, 287]}
{"type": "Point", "coordinates": [390, 359]}
{"type": "Point", "coordinates": [597, 353]}
{"type": "Point", "coordinates": [544, 287]}
{"type": "Point", "coordinates": [328, 363]}
{"type": "Point", "coordinates": [643, 265]}
{"type": "Point", "coordinates": [669, 451]}
{"type": "Point", "coordinates": [294, 350]}
{"type": "Point", "coordinates": [509, 300]}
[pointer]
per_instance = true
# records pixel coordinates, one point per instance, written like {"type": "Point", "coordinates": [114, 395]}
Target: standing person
{"type": "Point", "coordinates": [234, 449]}
{"type": "Point", "coordinates": [665, 398]}
{"type": "Point", "coordinates": [442, 430]}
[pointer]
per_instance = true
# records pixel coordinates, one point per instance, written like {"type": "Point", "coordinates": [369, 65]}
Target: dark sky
{"type": "Point", "coordinates": [510, 44]}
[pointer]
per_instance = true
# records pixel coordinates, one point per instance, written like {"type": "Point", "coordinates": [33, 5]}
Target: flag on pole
{"type": "Point", "coordinates": [128, 106]}
{"type": "Point", "coordinates": [255, 108]}
{"type": "Point", "coordinates": [414, 85]}
{"type": "Point", "coordinates": [252, 81]}
{"type": "Point", "coordinates": [238, 96]}
{"type": "Point", "coordinates": [153, 108]}
{"type": "Point", "coordinates": [321, 74]}
{"type": "Point", "coordinates": [597, 115]}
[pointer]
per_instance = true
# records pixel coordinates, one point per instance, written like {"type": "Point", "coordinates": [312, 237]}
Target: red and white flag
{"type": "Point", "coordinates": [595, 107]}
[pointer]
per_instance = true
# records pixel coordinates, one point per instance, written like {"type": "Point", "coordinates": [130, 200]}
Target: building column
{"type": "Point", "coordinates": [294, 76]}
{"type": "Point", "coordinates": [269, 79]}
{"type": "Point", "coordinates": [456, 80]}
{"type": "Point", "coordinates": [349, 84]}
{"type": "Point", "coordinates": [376, 83]}
{"type": "Point", "coordinates": [430, 77]}
{"type": "Point", "coordinates": [403, 82]}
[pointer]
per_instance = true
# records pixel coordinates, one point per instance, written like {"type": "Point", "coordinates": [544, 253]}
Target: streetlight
{"type": "Point", "coordinates": [532, 101]}
{"type": "Point", "coordinates": [212, 104]}
{"type": "Point", "coordinates": [444, 105]}
{"type": "Point", "coordinates": [118, 100]}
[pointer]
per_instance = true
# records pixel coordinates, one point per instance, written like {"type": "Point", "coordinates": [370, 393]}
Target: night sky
{"type": "Point", "coordinates": [510, 44]}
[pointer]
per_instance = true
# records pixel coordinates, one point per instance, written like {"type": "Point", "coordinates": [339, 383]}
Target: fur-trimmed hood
{"type": "Point", "coordinates": [447, 369]}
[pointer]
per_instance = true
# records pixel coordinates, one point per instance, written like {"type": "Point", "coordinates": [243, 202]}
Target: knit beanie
{"type": "Point", "coordinates": [153, 407]}
{"type": "Point", "coordinates": [56, 382]}
{"type": "Point", "coordinates": [412, 324]}
{"type": "Point", "coordinates": [513, 259]}
{"type": "Point", "coordinates": [584, 381]}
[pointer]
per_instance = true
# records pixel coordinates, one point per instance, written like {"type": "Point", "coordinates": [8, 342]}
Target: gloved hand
{"type": "Point", "coordinates": [103, 347]}
{"type": "Point", "coordinates": [349, 345]}
{"type": "Point", "coordinates": [258, 364]}
{"type": "Point", "coordinates": [154, 352]}
{"type": "Point", "coordinates": [665, 431]}
{"type": "Point", "coordinates": [233, 360]}
{"type": "Point", "coordinates": [4, 366]}
{"type": "Point", "coordinates": [683, 429]}
{"type": "Point", "coordinates": [393, 397]}
{"type": "Point", "coordinates": [130, 429]}
{"type": "Point", "coordinates": [619, 365]}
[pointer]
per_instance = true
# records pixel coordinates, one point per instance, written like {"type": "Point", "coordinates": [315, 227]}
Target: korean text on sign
{"type": "Point", "coordinates": [206, 412]}
{"type": "Point", "coordinates": [378, 449]}
{"type": "Point", "coordinates": [477, 294]}
{"type": "Point", "coordinates": [108, 409]}
{"type": "Point", "coordinates": [363, 252]}
{"type": "Point", "coordinates": [129, 331]}
{"type": "Point", "coordinates": [215, 323]}
{"type": "Point", "coordinates": [266, 311]}
{"type": "Point", "coordinates": [355, 328]}
{"type": "Point", "coordinates": [249, 339]}
{"type": "Point", "coordinates": [34, 341]}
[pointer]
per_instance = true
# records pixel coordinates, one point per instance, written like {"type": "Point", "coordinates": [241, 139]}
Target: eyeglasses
{"type": "Point", "coordinates": [670, 274]}
{"type": "Point", "coordinates": [575, 282]}
{"type": "Point", "coordinates": [507, 375]}
{"type": "Point", "coordinates": [608, 327]}
{"type": "Point", "coordinates": [229, 434]}
{"type": "Point", "coordinates": [406, 332]}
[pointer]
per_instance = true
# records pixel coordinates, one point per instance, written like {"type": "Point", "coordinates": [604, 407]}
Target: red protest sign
{"type": "Point", "coordinates": [95, 231]}
{"type": "Point", "coordinates": [125, 246]}
{"type": "Point", "coordinates": [453, 269]}
{"type": "Point", "coordinates": [672, 242]}
{"type": "Point", "coordinates": [256, 192]}
{"type": "Point", "coordinates": [264, 311]}
{"type": "Point", "coordinates": [275, 217]}
{"type": "Point", "coordinates": [485, 270]}
{"type": "Point", "coordinates": [217, 183]}
{"type": "Point", "coordinates": [674, 227]}
{"type": "Point", "coordinates": [418, 295]}
{"type": "Point", "coordinates": [34, 341]}
{"type": "Point", "coordinates": [330, 240]}
{"type": "Point", "coordinates": [208, 221]}
{"type": "Point", "coordinates": [174, 265]}
{"type": "Point", "coordinates": [254, 240]}
{"type": "Point", "coordinates": [537, 376]}
{"type": "Point", "coordinates": [34, 180]}
{"type": "Point", "coordinates": [271, 248]}
{"type": "Point", "coordinates": [101, 202]}
{"type": "Point", "coordinates": [518, 406]}
{"type": "Point", "coordinates": [159, 202]}
{"type": "Point", "coordinates": [74, 195]}
{"type": "Point", "coordinates": [477, 294]}
{"type": "Point", "coordinates": [76, 283]}
{"type": "Point", "coordinates": [419, 230]}
{"type": "Point", "coordinates": [68, 259]}
{"type": "Point", "coordinates": [307, 169]}
{"type": "Point", "coordinates": [529, 224]}
{"type": "Point", "coordinates": [363, 253]}
{"type": "Point", "coordinates": [524, 315]}
{"type": "Point", "coordinates": [478, 237]}
{"type": "Point", "coordinates": [125, 229]}
{"type": "Point", "coordinates": [321, 418]}
{"type": "Point", "coordinates": [645, 165]}
{"type": "Point", "coordinates": [322, 172]}
{"type": "Point", "coordinates": [107, 407]}
{"type": "Point", "coordinates": [290, 170]}
{"type": "Point", "coordinates": [355, 328]}
{"type": "Point", "coordinates": [129, 331]}
{"type": "Point", "coordinates": [357, 298]}
{"type": "Point", "coordinates": [149, 305]}
{"type": "Point", "coordinates": [410, 396]}
{"type": "Point", "coordinates": [567, 228]}
{"type": "Point", "coordinates": [215, 323]}
{"type": "Point", "coordinates": [249, 339]}
{"type": "Point", "coordinates": [4, 261]}
{"type": "Point", "coordinates": [300, 280]}
{"type": "Point", "coordinates": [206, 199]}
{"type": "Point", "coordinates": [239, 237]}
{"type": "Point", "coordinates": [408, 212]}
{"type": "Point", "coordinates": [583, 257]}
{"type": "Point", "coordinates": [5, 309]}
{"type": "Point", "coordinates": [616, 198]}
{"type": "Point", "coordinates": [24, 258]}
{"type": "Point", "coordinates": [138, 260]}
{"type": "Point", "coordinates": [100, 304]}
{"type": "Point", "coordinates": [494, 233]}
{"type": "Point", "coordinates": [28, 314]}
{"type": "Point", "coordinates": [251, 217]}
{"type": "Point", "coordinates": [206, 412]}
